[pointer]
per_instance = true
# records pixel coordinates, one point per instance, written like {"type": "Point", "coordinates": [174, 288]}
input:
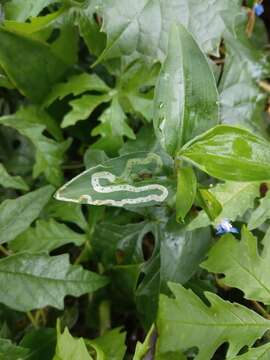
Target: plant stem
{"type": "Point", "coordinates": [72, 166]}
{"type": "Point", "coordinates": [4, 250]}
{"type": "Point", "coordinates": [40, 314]}
{"type": "Point", "coordinates": [32, 319]}
{"type": "Point", "coordinates": [260, 309]}
{"type": "Point", "coordinates": [104, 317]}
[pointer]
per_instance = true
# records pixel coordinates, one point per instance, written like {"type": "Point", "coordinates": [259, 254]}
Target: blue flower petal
{"type": "Point", "coordinates": [258, 9]}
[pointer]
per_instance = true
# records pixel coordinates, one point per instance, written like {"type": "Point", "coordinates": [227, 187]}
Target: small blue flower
{"type": "Point", "coordinates": [225, 227]}
{"type": "Point", "coordinates": [258, 9]}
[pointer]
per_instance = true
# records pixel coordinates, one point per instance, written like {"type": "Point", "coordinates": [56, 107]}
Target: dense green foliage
{"type": "Point", "coordinates": [133, 133]}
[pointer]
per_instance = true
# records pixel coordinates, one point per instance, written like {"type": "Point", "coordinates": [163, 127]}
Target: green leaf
{"type": "Point", "coordinates": [49, 153]}
{"type": "Point", "coordinates": [186, 191]}
{"type": "Point", "coordinates": [176, 257]}
{"type": "Point", "coordinates": [70, 348]}
{"type": "Point", "coordinates": [143, 349]}
{"type": "Point", "coordinates": [113, 126]}
{"type": "Point", "coordinates": [76, 85]}
{"type": "Point", "coordinates": [33, 281]}
{"type": "Point", "coordinates": [242, 265]}
{"type": "Point", "coordinates": [235, 198]}
{"type": "Point", "coordinates": [8, 181]}
{"type": "Point", "coordinates": [46, 236]}
{"type": "Point", "coordinates": [30, 64]}
{"type": "Point", "coordinates": [94, 157]}
{"type": "Point", "coordinates": [40, 344]}
{"type": "Point", "coordinates": [209, 203]}
{"type": "Point", "coordinates": [82, 108]}
{"type": "Point", "coordinates": [182, 251]}
{"type": "Point", "coordinates": [110, 346]}
{"type": "Point", "coordinates": [9, 351]}
{"type": "Point", "coordinates": [21, 10]}
{"type": "Point", "coordinates": [17, 214]}
{"type": "Point", "coordinates": [228, 153]}
{"type": "Point", "coordinates": [130, 180]}
{"type": "Point", "coordinates": [261, 213]}
{"type": "Point", "coordinates": [134, 29]}
{"type": "Point", "coordinates": [258, 353]}
{"type": "Point", "coordinates": [186, 97]}
{"type": "Point", "coordinates": [242, 101]}
{"type": "Point", "coordinates": [185, 321]}
{"type": "Point", "coordinates": [111, 239]}
{"type": "Point", "coordinates": [68, 212]}
{"type": "Point", "coordinates": [136, 88]}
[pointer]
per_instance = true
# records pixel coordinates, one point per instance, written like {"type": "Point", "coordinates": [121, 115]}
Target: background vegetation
{"type": "Point", "coordinates": [180, 89]}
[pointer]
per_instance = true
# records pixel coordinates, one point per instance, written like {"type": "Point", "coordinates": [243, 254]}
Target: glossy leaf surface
{"type": "Point", "coordinates": [228, 153]}
{"type": "Point", "coordinates": [186, 191]}
{"type": "Point", "coordinates": [235, 198]}
{"type": "Point", "coordinates": [178, 117]}
{"type": "Point", "coordinates": [125, 186]}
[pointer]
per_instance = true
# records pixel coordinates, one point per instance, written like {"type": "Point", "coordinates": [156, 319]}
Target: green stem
{"type": "Point", "coordinates": [104, 316]}
{"type": "Point", "coordinates": [4, 250]}
{"type": "Point", "coordinates": [32, 319]}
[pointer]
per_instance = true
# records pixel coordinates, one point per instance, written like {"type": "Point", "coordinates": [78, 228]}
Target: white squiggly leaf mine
{"type": "Point", "coordinates": [128, 180]}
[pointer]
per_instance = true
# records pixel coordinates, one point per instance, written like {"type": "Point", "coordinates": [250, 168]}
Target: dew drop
{"type": "Point", "coordinates": [161, 105]}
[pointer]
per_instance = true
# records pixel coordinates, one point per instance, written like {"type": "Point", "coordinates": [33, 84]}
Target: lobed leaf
{"type": "Point", "coordinates": [70, 348]}
{"type": "Point", "coordinates": [33, 281]}
{"type": "Point", "coordinates": [46, 236]}
{"type": "Point", "coordinates": [258, 353]}
{"type": "Point", "coordinates": [49, 153]}
{"type": "Point", "coordinates": [129, 26]}
{"type": "Point", "coordinates": [242, 265]}
{"type": "Point", "coordinates": [261, 213]}
{"type": "Point", "coordinates": [8, 181]}
{"type": "Point", "coordinates": [185, 321]}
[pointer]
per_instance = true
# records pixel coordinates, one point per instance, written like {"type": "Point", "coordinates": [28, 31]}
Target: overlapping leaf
{"type": "Point", "coordinates": [49, 154]}
{"type": "Point", "coordinates": [70, 348]}
{"type": "Point", "coordinates": [261, 213]}
{"type": "Point", "coordinates": [32, 281]}
{"type": "Point", "coordinates": [179, 117]}
{"type": "Point", "coordinates": [31, 65]}
{"type": "Point", "coordinates": [15, 182]}
{"type": "Point", "coordinates": [228, 153]}
{"type": "Point", "coordinates": [17, 214]}
{"type": "Point", "coordinates": [46, 236]}
{"type": "Point", "coordinates": [185, 321]}
{"type": "Point", "coordinates": [143, 25]}
{"type": "Point", "coordinates": [242, 264]}
{"type": "Point", "coordinates": [258, 353]}
{"type": "Point", "coordinates": [135, 179]}
{"type": "Point", "coordinates": [235, 198]}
